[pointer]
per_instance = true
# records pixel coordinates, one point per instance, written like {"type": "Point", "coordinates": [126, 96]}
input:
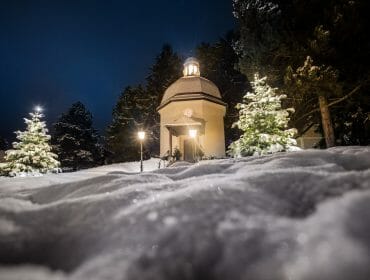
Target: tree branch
{"type": "Point", "coordinates": [332, 103]}
{"type": "Point", "coordinates": [346, 96]}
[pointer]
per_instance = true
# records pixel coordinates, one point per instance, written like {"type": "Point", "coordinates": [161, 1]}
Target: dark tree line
{"type": "Point", "coordinates": [317, 52]}
{"type": "Point", "coordinates": [314, 51]}
{"type": "Point", "coordinates": [78, 144]}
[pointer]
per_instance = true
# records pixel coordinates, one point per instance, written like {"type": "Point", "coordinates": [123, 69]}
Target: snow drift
{"type": "Point", "coordinates": [302, 215]}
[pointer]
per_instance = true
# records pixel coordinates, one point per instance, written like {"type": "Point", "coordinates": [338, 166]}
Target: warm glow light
{"type": "Point", "coordinates": [192, 133]}
{"type": "Point", "coordinates": [191, 70]}
{"type": "Point", "coordinates": [38, 109]}
{"type": "Point", "coordinates": [195, 69]}
{"type": "Point", "coordinates": [191, 67]}
{"type": "Point", "coordinates": [141, 135]}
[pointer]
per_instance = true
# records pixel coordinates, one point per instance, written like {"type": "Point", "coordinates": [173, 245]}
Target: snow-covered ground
{"type": "Point", "coordinates": [301, 215]}
{"type": "Point", "coordinates": [22, 183]}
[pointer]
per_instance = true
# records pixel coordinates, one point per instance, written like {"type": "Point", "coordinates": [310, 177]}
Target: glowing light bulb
{"type": "Point", "coordinates": [192, 133]}
{"type": "Point", "coordinates": [141, 135]}
{"type": "Point", "coordinates": [38, 109]}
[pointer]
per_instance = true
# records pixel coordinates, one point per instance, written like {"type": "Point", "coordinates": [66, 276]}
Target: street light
{"type": "Point", "coordinates": [193, 135]}
{"type": "Point", "coordinates": [141, 136]}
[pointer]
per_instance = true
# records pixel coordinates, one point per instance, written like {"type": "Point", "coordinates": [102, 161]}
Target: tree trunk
{"type": "Point", "coordinates": [326, 122]}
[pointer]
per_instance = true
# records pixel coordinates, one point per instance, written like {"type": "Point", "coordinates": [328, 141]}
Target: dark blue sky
{"type": "Point", "coordinates": [54, 53]}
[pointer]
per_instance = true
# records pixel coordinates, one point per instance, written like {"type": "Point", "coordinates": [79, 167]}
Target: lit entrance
{"type": "Point", "coordinates": [189, 152]}
{"type": "Point", "coordinates": [184, 134]}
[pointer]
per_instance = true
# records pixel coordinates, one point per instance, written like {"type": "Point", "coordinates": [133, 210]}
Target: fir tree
{"type": "Point", "coordinates": [75, 140]}
{"type": "Point", "coordinates": [166, 69]}
{"type": "Point", "coordinates": [136, 109]}
{"type": "Point", "coordinates": [218, 63]}
{"type": "Point", "coordinates": [277, 34]}
{"type": "Point", "coordinates": [315, 84]}
{"type": "Point", "coordinates": [32, 154]}
{"type": "Point", "coordinates": [128, 116]}
{"type": "Point", "coordinates": [263, 122]}
{"type": "Point", "coordinates": [3, 144]}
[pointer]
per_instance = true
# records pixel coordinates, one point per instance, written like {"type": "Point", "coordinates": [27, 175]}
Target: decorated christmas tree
{"type": "Point", "coordinates": [263, 122]}
{"type": "Point", "coordinates": [32, 154]}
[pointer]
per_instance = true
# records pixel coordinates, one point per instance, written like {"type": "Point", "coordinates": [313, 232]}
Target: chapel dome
{"type": "Point", "coordinates": [191, 83]}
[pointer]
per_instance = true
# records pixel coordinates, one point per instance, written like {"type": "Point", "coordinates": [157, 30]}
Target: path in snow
{"type": "Point", "coordinates": [302, 215]}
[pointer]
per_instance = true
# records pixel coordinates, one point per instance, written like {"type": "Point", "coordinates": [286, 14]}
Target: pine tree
{"type": "Point", "coordinates": [75, 140]}
{"type": "Point", "coordinates": [263, 122]}
{"type": "Point", "coordinates": [277, 34]}
{"type": "Point", "coordinates": [32, 154]}
{"type": "Point", "coordinates": [3, 144]}
{"type": "Point", "coordinates": [315, 84]}
{"type": "Point", "coordinates": [136, 109]}
{"type": "Point", "coordinates": [218, 63]}
{"type": "Point", "coordinates": [166, 69]}
{"type": "Point", "coordinates": [128, 117]}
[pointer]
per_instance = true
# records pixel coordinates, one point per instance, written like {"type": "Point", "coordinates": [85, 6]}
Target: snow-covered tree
{"type": "Point", "coordinates": [32, 154]}
{"type": "Point", "coordinates": [263, 122]}
{"type": "Point", "coordinates": [75, 140]}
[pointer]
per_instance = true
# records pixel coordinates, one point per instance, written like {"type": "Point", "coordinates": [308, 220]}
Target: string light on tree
{"type": "Point", "coordinates": [32, 154]}
{"type": "Point", "coordinates": [263, 121]}
{"type": "Point", "coordinates": [38, 109]}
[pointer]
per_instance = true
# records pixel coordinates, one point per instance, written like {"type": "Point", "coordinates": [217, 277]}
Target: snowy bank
{"type": "Point", "coordinates": [22, 183]}
{"type": "Point", "coordinates": [301, 215]}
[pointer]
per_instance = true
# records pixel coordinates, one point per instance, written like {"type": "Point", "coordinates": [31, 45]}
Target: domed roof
{"type": "Point", "coordinates": [191, 84]}
{"type": "Point", "coordinates": [191, 60]}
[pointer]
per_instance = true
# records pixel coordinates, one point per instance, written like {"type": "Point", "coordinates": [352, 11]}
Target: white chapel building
{"type": "Point", "coordinates": [192, 116]}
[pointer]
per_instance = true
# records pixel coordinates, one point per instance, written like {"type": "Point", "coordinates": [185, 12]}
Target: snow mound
{"type": "Point", "coordinates": [300, 215]}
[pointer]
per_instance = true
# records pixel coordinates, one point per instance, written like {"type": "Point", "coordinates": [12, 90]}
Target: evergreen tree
{"type": "Point", "coordinates": [3, 144]}
{"type": "Point", "coordinates": [263, 122]}
{"type": "Point", "coordinates": [32, 154]}
{"type": "Point", "coordinates": [263, 43]}
{"type": "Point", "coordinates": [75, 140]}
{"type": "Point", "coordinates": [136, 109]}
{"type": "Point", "coordinates": [128, 117]}
{"type": "Point", "coordinates": [315, 85]}
{"type": "Point", "coordinates": [219, 64]}
{"type": "Point", "coordinates": [166, 69]}
{"type": "Point", "coordinates": [277, 34]}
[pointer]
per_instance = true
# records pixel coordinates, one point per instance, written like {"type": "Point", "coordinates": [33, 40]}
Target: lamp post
{"type": "Point", "coordinates": [141, 136]}
{"type": "Point", "coordinates": [193, 135]}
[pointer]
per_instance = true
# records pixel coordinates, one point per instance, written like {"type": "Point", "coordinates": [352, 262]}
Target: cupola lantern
{"type": "Point", "coordinates": [191, 67]}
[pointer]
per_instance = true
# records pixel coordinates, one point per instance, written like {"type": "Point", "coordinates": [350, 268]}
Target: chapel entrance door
{"type": "Point", "coordinates": [189, 150]}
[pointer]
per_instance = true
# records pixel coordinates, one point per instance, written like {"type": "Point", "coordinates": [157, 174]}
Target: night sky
{"type": "Point", "coordinates": [54, 53]}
